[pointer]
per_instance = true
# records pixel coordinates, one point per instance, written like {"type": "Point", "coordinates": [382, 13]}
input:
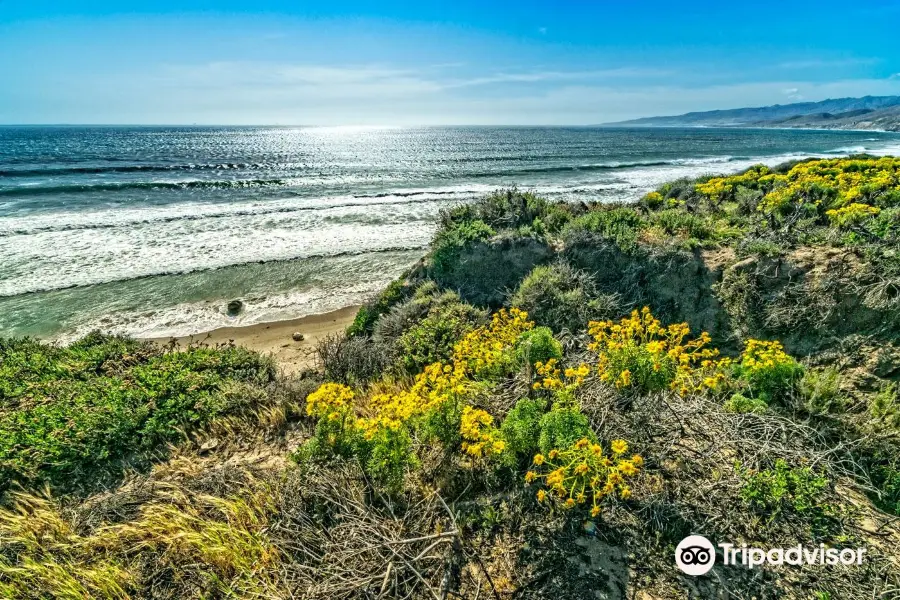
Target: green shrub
{"type": "Point", "coordinates": [483, 272]}
{"type": "Point", "coordinates": [562, 427]}
{"type": "Point", "coordinates": [563, 298]}
{"type": "Point", "coordinates": [387, 457]}
{"type": "Point", "coordinates": [884, 407]}
{"type": "Point", "coordinates": [784, 488]}
{"type": "Point", "coordinates": [758, 247]}
{"type": "Point", "coordinates": [400, 318]}
{"type": "Point", "coordinates": [67, 411]}
{"type": "Point", "coordinates": [680, 222]}
{"type": "Point", "coordinates": [621, 225]}
{"type": "Point", "coordinates": [432, 339]}
{"type": "Point", "coordinates": [819, 392]}
{"type": "Point", "coordinates": [887, 478]}
{"type": "Point", "coordinates": [510, 209]}
{"type": "Point", "coordinates": [741, 404]}
{"type": "Point", "coordinates": [369, 313]}
{"type": "Point", "coordinates": [522, 426]}
{"type": "Point", "coordinates": [747, 199]}
{"type": "Point", "coordinates": [353, 360]}
{"type": "Point", "coordinates": [537, 345]}
{"type": "Point", "coordinates": [450, 242]}
{"type": "Point", "coordinates": [767, 370]}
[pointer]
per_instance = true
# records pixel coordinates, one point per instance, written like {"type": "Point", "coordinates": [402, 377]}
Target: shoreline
{"type": "Point", "coordinates": [275, 338]}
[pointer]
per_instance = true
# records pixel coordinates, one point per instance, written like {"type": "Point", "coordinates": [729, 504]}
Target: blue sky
{"type": "Point", "coordinates": [411, 63]}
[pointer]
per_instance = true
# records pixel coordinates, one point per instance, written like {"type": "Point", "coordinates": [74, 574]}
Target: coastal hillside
{"type": "Point", "coordinates": [869, 112]}
{"type": "Point", "coordinates": [543, 406]}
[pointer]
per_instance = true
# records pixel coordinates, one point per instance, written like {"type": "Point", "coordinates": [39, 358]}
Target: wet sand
{"type": "Point", "coordinates": [276, 338]}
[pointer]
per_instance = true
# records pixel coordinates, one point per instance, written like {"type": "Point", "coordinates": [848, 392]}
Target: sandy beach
{"type": "Point", "coordinates": [276, 338]}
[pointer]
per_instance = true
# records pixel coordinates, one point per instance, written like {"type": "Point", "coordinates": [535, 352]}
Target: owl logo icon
{"type": "Point", "coordinates": [695, 555]}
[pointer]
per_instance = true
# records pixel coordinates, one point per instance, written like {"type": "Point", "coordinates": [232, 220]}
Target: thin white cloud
{"type": "Point", "coordinates": [822, 63]}
{"type": "Point", "coordinates": [367, 80]}
{"type": "Point", "coordinates": [550, 76]}
{"type": "Point", "coordinates": [313, 81]}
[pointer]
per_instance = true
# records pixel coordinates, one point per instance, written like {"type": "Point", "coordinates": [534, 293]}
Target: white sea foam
{"type": "Point", "coordinates": [197, 317]}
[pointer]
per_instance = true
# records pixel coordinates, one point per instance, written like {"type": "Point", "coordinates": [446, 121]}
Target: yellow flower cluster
{"type": "Point", "coordinates": [718, 187]}
{"type": "Point", "coordinates": [331, 401]}
{"type": "Point", "coordinates": [573, 476]}
{"type": "Point", "coordinates": [549, 376]}
{"type": "Point", "coordinates": [481, 353]}
{"type": "Point", "coordinates": [484, 350]}
{"type": "Point", "coordinates": [761, 355]}
{"type": "Point", "coordinates": [851, 214]}
{"type": "Point", "coordinates": [767, 369]}
{"type": "Point", "coordinates": [480, 437]}
{"type": "Point", "coordinates": [638, 352]}
{"type": "Point", "coordinates": [436, 384]}
{"type": "Point", "coordinates": [837, 183]}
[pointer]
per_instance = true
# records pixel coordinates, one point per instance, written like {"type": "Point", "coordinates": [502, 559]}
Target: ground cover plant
{"type": "Point", "coordinates": [65, 412]}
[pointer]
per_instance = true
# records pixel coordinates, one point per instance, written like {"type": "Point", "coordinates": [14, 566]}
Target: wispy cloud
{"type": "Point", "coordinates": [822, 63]}
{"type": "Point", "coordinates": [560, 76]}
{"type": "Point", "coordinates": [793, 93]}
{"type": "Point", "coordinates": [313, 81]}
{"type": "Point", "coordinates": [356, 81]}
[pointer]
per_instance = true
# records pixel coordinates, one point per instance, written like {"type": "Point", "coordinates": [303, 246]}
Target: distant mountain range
{"type": "Point", "coordinates": [869, 112]}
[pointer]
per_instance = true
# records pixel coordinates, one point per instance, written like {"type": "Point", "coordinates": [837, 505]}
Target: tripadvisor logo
{"type": "Point", "coordinates": [696, 555]}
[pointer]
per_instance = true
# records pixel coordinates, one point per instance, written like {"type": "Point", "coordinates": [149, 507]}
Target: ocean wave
{"type": "Point", "coordinates": [847, 150]}
{"type": "Point", "coordinates": [125, 218]}
{"type": "Point", "coordinates": [186, 271]}
{"type": "Point", "coordinates": [100, 170]}
{"type": "Point", "coordinates": [423, 192]}
{"type": "Point", "coordinates": [611, 166]}
{"type": "Point", "coordinates": [143, 185]}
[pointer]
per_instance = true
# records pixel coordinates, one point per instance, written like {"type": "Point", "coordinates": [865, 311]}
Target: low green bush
{"type": "Point", "coordinates": [620, 225]}
{"type": "Point", "coordinates": [561, 427]}
{"type": "Point", "coordinates": [678, 222]}
{"type": "Point", "coordinates": [510, 209]}
{"type": "Point", "coordinates": [563, 298]}
{"type": "Point", "coordinates": [742, 404]}
{"type": "Point", "coordinates": [783, 488]}
{"type": "Point", "coordinates": [767, 370]}
{"type": "Point", "coordinates": [65, 411]}
{"type": "Point", "coordinates": [522, 426]}
{"type": "Point", "coordinates": [450, 242]}
{"type": "Point", "coordinates": [884, 407]}
{"type": "Point", "coordinates": [369, 313]}
{"type": "Point", "coordinates": [387, 457]}
{"type": "Point", "coordinates": [537, 345]}
{"type": "Point", "coordinates": [887, 479]}
{"type": "Point", "coordinates": [486, 270]}
{"type": "Point", "coordinates": [759, 247]}
{"type": "Point", "coordinates": [819, 392]}
{"type": "Point", "coordinates": [431, 340]}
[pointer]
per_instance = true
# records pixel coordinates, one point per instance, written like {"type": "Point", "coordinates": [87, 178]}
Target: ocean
{"type": "Point", "coordinates": [150, 231]}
